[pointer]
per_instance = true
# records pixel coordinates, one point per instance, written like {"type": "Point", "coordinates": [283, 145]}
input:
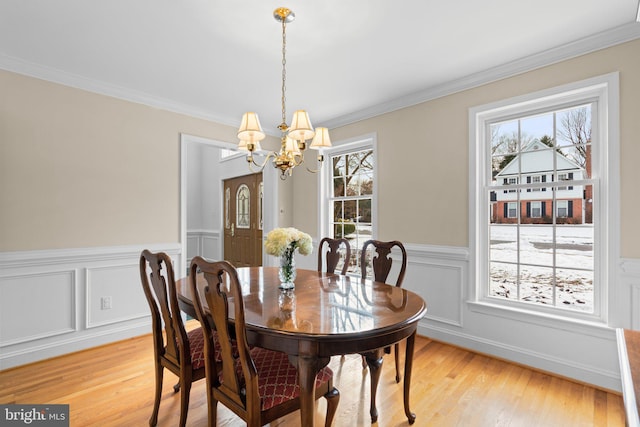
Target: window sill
{"type": "Point", "coordinates": [594, 327]}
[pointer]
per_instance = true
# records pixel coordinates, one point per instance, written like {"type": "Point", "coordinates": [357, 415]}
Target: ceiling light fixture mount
{"type": "Point", "coordinates": [293, 138]}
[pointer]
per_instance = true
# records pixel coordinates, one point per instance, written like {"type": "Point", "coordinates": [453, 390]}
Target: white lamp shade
{"type": "Point", "coordinates": [291, 146]}
{"type": "Point", "coordinates": [321, 139]}
{"type": "Point", "coordinates": [301, 128]}
{"type": "Point", "coordinates": [250, 129]}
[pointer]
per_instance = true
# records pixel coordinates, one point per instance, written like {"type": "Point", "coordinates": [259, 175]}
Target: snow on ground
{"type": "Point", "coordinates": [573, 260]}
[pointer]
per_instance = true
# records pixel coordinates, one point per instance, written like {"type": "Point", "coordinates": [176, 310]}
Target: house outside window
{"type": "Point", "coordinates": [535, 210]}
{"type": "Point", "coordinates": [510, 181]}
{"type": "Point", "coordinates": [350, 196]}
{"type": "Point", "coordinates": [535, 179]}
{"type": "Point", "coordinates": [562, 208]}
{"type": "Point", "coordinates": [540, 154]}
{"type": "Point", "coordinates": [565, 177]}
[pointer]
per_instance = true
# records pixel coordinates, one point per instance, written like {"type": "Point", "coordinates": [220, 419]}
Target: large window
{"type": "Point", "coordinates": [350, 196]}
{"type": "Point", "coordinates": [541, 199]}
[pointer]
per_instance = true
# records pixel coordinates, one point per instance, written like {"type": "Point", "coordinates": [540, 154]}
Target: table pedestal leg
{"type": "Point", "coordinates": [307, 377]}
{"type": "Point", "coordinates": [308, 368]}
{"type": "Point", "coordinates": [374, 361]}
{"type": "Point", "coordinates": [408, 365]}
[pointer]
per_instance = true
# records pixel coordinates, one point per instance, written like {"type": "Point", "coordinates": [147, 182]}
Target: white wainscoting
{"type": "Point", "coordinates": [50, 301]}
{"type": "Point", "coordinates": [205, 243]}
{"type": "Point", "coordinates": [582, 351]}
{"type": "Point", "coordinates": [37, 290]}
{"type": "Point", "coordinates": [50, 305]}
{"type": "Point", "coordinates": [630, 290]}
{"type": "Point", "coordinates": [439, 275]}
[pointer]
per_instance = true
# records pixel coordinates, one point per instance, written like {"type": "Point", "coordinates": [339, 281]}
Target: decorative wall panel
{"type": "Point", "coordinates": [36, 306]}
{"type": "Point", "coordinates": [51, 301]}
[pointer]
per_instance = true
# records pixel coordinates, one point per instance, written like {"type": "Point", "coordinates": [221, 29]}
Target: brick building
{"type": "Point", "coordinates": [529, 182]}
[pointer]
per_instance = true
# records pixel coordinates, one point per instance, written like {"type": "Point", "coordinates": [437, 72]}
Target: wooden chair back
{"type": "Point", "coordinates": [158, 283]}
{"type": "Point", "coordinates": [175, 349]}
{"type": "Point", "coordinates": [257, 384]}
{"type": "Point", "coordinates": [332, 256]}
{"type": "Point", "coordinates": [381, 261]}
{"type": "Point", "coordinates": [238, 390]}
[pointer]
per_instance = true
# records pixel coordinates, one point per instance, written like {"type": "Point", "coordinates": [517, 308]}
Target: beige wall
{"type": "Point", "coordinates": [423, 153]}
{"type": "Point", "coordinates": [72, 163]}
{"type": "Point", "coordinates": [79, 169]}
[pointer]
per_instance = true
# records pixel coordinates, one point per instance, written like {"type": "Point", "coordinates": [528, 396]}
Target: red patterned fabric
{"type": "Point", "coordinates": [196, 345]}
{"type": "Point", "coordinates": [277, 378]}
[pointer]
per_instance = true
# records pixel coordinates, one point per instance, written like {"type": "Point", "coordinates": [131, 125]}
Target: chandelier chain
{"type": "Point", "coordinates": [283, 126]}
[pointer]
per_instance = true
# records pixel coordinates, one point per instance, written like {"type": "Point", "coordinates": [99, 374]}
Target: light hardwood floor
{"type": "Point", "coordinates": [113, 385]}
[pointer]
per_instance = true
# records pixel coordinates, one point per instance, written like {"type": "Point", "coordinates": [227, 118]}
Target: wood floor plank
{"type": "Point", "coordinates": [113, 386]}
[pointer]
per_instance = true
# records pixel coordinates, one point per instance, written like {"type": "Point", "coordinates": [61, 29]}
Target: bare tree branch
{"type": "Point", "coordinates": [575, 127]}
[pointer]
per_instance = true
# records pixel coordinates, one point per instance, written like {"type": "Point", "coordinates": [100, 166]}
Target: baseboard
{"type": "Point", "coordinates": [65, 346]}
{"type": "Point", "coordinates": [568, 369]}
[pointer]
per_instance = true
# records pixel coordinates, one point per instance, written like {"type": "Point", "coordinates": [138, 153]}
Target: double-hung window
{"type": "Point", "coordinates": [562, 210]}
{"type": "Point", "coordinates": [536, 209]}
{"type": "Point", "coordinates": [350, 189]}
{"type": "Point", "coordinates": [544, 243]}
{"type": "Point", "coordinates": [535, 179]}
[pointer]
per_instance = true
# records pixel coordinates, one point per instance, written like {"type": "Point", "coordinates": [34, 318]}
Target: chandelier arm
{"type": "Point", "coordinates": [251, 160]}
{"type": "Point", "coordinates": [320, 160]}
{"type": "Point", "coordinates": [313, 170]}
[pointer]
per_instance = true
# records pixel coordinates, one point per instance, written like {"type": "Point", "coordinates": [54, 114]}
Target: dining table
{"type": "Point", "coordinates": [325, 315]}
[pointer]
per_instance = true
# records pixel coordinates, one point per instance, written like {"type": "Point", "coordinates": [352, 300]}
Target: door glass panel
{"type": "Point", "coordinates": [243, 216]}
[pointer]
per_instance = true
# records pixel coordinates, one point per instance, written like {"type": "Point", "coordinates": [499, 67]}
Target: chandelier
{"type": "Point", "coordinates": [293, 141]}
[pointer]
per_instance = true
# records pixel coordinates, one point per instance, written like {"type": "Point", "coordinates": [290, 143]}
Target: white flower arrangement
{"type": "Point", "coordinates": [283, 241]}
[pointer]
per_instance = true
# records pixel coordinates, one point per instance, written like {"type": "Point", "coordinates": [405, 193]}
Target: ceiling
{"type": "Point", "coordinates": [346, 60]}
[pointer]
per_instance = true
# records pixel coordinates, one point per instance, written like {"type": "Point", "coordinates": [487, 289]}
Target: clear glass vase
{"type": "Point", "coordinates": [287, 272]}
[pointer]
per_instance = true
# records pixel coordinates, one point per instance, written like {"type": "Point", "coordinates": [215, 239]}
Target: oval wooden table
{"type": "Point", "coordinates": [325, 315]}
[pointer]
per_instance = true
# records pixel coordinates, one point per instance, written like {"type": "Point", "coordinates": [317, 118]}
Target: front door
{"type": "Point", "coordinates": [243, 220]}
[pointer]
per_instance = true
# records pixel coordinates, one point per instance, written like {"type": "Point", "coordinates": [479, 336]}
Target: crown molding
{"type": "Point", "coordinates": [55, 75]}
{"type": "Point", "coordinates": [583, 46]}
{"type": "Point", "coordinates": [580, 47]}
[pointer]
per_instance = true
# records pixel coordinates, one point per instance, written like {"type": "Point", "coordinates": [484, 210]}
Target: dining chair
{"type": "Point", "coordinates": [257, 384]}
{"type": "Point", "coordinates": [179, 351]}
{"type": "Point", "coordinates": [331, 257]}
{"type": "Point", "coordinates": [381, 264]}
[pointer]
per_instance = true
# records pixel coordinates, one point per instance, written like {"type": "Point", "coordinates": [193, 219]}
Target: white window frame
{"type": "Point", "coordinates": [536, 204]}
{"type": "Point", "coordinates": [512, 206]}
{"type": "Point", "coordinates": [604, 90]}
{"type": "Point", "coordinates": [563, 176]}
{"type": "Point", "coordinates": [536, 179]}
{"type": "Point", "coordinates": [364, 142]}
{"type": "Point", "coordinates": [562, 204]}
